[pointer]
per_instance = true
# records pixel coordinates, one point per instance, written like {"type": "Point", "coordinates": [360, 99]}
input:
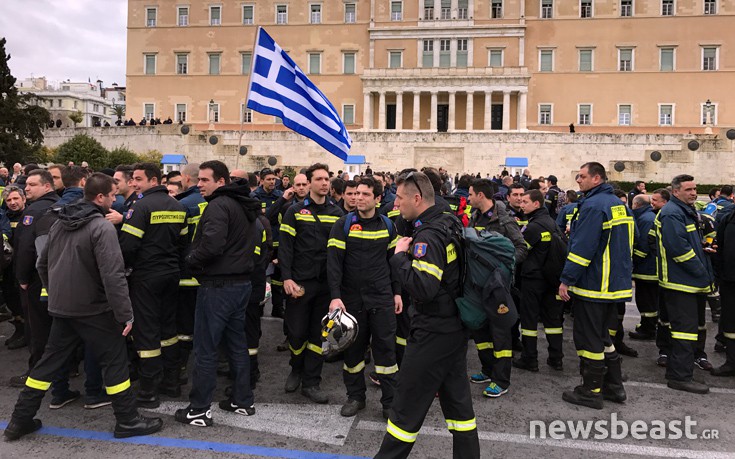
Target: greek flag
{"type": "Point", "coordinates": [280, 88]}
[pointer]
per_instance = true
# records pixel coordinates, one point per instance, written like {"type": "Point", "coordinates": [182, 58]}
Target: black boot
{"type": "Point", "coordinates": [17, 429]}
{"type": "Point", "coordinates": [715, 307]}
{"type": "Point", "coordinates": [727, 368]}
{"type": "Point", "coordinates": [612, 385]}
{"type": "Point", "coordinates": [588, 394]}
{"type": "Point", "coordinates": [19, 333]}
{"type": "Point", "coordinates": [147, 396]}
{"type": "Point", "coordinates": [170, 386]}
{"type": "Point", "coordinates": [140, 425]}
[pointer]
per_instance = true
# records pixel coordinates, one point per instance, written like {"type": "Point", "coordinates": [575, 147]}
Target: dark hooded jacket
{"type": "Point", "coordinates": [225, 241]}
{"type": "Point", "coordinates": [82, 238]}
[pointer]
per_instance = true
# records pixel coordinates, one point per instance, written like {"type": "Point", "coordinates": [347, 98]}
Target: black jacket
{"type": "Point", "coordinates": [25, 237]}
{"type": "Point", "coordinates": [498, 220]}
{"type": "Point", "coordinates": [224, 247]}
{"type": "Point", "coordinates": [153, 234]}
{"type": "Point", "coordinates": [538, 237]}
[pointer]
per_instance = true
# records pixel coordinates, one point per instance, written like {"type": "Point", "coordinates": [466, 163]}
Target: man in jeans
{"type": "Point", "coordinates": [222, 259]}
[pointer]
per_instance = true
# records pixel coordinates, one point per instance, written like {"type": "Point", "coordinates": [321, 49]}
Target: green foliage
{"type": "Point", "coordinates": [121, 155]}
{"type": "Point", "coordinates": [290, 171]}
{"type": "Point", "coordinates": [118, 111]}
{"type": "Point", "coordinates": [22, 120]}
{"type": "Point", "coordinates": [76, 117]}
{"type": "Point", "coordinates": [152, 156]}
{"type": "Point", "coordinates": [80, 148]}
{"type": "Point", "coordinates": [702, 188]}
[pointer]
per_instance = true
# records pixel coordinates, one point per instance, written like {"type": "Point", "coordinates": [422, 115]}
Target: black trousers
{"type": "Point", "coordinates": [252, 319]}
{"type": "Point", "coordinates": [727, 321]}
{"type": "Point", "coordinates": [617, 332]}
{"type": "Point", "coordinates": [304, 322]}
{"type": "Point", "coordinates": [11, 292]}
{"type": "Point", "coordinates": [433, 363]}
{"type": "Point", "coordinates": [154, 335]}
{"type": "Point", "coordinates": [685, 313]}
{"type": "Point", "coordinates": [495, 349]}
{"type": "Point", "coordinates": [37, 319]}
{"type": "Point", "coordinates": [377, 328]}
{"type": "Point", "coordinates": [103, 337]}
{"type": "Point", "coordinates": [592, 324]}
{"type": "Point", "coordinates": [403, 328]}
{"type": "Point", "coordinates": [539, 300]}
{"type": "Point", "coordinates": [646, 299]}
{"type": "Point", "coordinates": [185, 318]}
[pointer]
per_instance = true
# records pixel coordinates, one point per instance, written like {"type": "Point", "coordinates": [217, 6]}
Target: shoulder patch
{"type": "Point", "coordinates": [419, 249]}
{"type": "Point", "coordinates": [356, 228]}
{"type": "Point", "coordinates": [305, 211]}
{"type": "Point", "coordinates": [27, 220]}
{"type": "Point", "coordinates": [128, 214]}
{"type": "Point", "coordinates": [417, 223]}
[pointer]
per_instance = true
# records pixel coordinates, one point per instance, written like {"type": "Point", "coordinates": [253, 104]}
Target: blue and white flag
{"type": "Point", "coordinates": [280, 88]}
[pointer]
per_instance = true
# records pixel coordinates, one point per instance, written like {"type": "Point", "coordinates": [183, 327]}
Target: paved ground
{"type": "Point", "coordinates": [286, 425]}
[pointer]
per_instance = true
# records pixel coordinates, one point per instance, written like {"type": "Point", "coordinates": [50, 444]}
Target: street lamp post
{"type": "Point", "coordinates": [708, 117]}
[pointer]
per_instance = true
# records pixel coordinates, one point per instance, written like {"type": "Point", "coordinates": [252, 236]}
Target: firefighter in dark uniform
{"type": "Point", "coordinates": [360, 283]}
{"type": "Point", "coordinates": [539, 298]}
{"type": "Point", "coordinates": [644, 269]}
{"type": "Point", "coordinates": [302, 256]}
{"type": "Point", "coordinates": [598, 273]}
{"type": "Point", "coordinates": [494, 343]}
{"type": "Point", "coordinates": [685, 277]}
{"type": "Point", "coordinates": [268, 195]}
{"type": "Point", "coordinates": [152, 239]}
{"type": "Point", "coordinates": [436, 353]}
{"type": "Point", "coordinates": [15, 200]}
{"type": "Point", "coordinates": [514, 198]}
{"type": "Point", "coordinates": [726, 279]}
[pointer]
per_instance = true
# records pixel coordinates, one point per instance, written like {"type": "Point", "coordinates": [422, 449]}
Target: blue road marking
{"type": "Point", "coordinates": [181, 443]}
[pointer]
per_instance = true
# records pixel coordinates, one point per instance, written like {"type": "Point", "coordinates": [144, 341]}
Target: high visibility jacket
{"type": "Point", "coordinates": [599, 264]}
{"type": "Point", "coordinates": [644, 253]}
{"type": "Point", "coordinates": [682, 263]}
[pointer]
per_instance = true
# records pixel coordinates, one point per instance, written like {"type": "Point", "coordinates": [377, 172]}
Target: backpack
{"type": "Point", "coordinates": [556, 257]}
{"type": "Point", "coordinates": [459, 208]}
{"type": "Point", "coordinates": [351, 218]}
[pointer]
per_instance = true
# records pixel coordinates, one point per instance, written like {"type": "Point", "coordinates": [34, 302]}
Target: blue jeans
{"type": "Point", "coordinates": [220, 317]}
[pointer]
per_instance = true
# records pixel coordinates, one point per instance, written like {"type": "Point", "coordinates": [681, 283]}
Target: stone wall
{"type": "Point", "coordinates": [548, 153]}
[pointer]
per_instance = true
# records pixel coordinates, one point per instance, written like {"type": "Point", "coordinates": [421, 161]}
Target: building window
{"type": "Point", "coordinates": [180, 113]}
{"type": "Point", "coordinates": [149, 111]}
{"type": "Point", "coordinates": [462, 6]}
{"type": "Point", "coordinates": [546, 60]}
{"type": "Point", "coordinates": [182, 64]}
{"type": "Point", "coordinates": [315, 14]}
{"type": "Point", "coordinates": [95, 107]}
{"type": "Point", "coordinates": [462, 52]}
{"type": "Point", "coordinates": [710, 7]}
{"type": "Point", "coordinates": [248, 14]}
{"type": "Point", "coordinates": [712, 114]}
{"type": "Point", "coordinates": [348, 63]}
{"type": "Point", "coordinates": [495, 58]}
{"type": "Point", "coordinates": [446, 11]}
{"type": "Point", "coordinates": [277, 120]}
{"type": "Point", "coordinates": [625, 59]}
{"type": "Point", "coordinates": [544, 114]}
{"type": "Point", "coordinates": [585, 60]}
{"type": "Point", "coordinates": [496, 9]}
{"type": "Point", "coordinates": [395, 59]}
{"type": "Point", "coordinates": [75, 103]}
{"type": "Point", "coordinates": [667, 7]}
{"type": "Point", "coordinates": [213, 113]}
{"type": "Point", "coordinates": [315, 63]}
{"type": "Point", "coordinates": [624, 115]}
{"type": "Point", "coordinates": [281, 14]}
{"type": "Point", "coordinates": [445, 57]}
{"type": "Point", "coordinates": [585, 115]}
{"type": "Point", "coordinates": [214, 63]}
{"type": "Point", "coordinates": [428, 57]}
{"type": "Point", "coordinates": [709, 58]}
{"type": "Point", "coordinates": [396, 11]}
{"type": "Point", "coordinates": [667, 59]}
{"type": "Point", "coordinates": [666, 115]}
{"type": "Point", "coordinates": [428, 10]}
{"type": "Point", "coordinates": [626, 8]}
{"type": "Point", "coordinates": [183, 13]}
{"type": "Point", "coordinates": [215, 15]}
{"type": "Point", "coordinates": [547, 9]}
{"type": "Point", "coordinates": [247, 114]}
{"type": "Point", "coordinates": [150, 64]}
{"type": "Point", "coordinates": [150, 17]}
{"type": "Point", "coordinates": [585, 8]}
{"type": "Point", "coordinates": [348, 114]}
{"type": "Point", "coordinates": [247, 59]}
{"type": "Point", "coordinates": [350, 13]}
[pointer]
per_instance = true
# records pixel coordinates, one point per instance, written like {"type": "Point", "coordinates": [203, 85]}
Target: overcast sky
{"type": "Point", "coordinates": [74, 39]}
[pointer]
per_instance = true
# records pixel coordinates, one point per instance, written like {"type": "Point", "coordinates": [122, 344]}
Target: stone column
{"type": "Point", "coordinates": [381, 110]}
{"type": "Point", "coordinates": [488, 110]}
{"type": "Point", "coordinates": [416, 111]}
{"type": "Point", "coordinates": [506, 110]}
{"type": "Point", "coordinates": [452, 112]}
{"type": "Point", "coordinates": [434, 102]}
{"type": "Point", "coordinates": [367, 112]}
{"type": "Point", "coordinates": [469, 125]}
{"type": "Point", "coordinates": [522, 102]}
{"type": "Point", "coordinates": [399, 110]}
{"type": "Point", "coordinates": [437, 8]}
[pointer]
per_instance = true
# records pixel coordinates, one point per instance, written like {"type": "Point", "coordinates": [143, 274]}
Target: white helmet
{"type": "Point", "coordinates": [339, 331]}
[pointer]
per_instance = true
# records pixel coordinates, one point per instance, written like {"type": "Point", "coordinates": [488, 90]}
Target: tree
{"type": "Point", "coordinates": [76, 117]}
{"type": "Point", "coordinates": [152, 156]}
{"type": "Point", "coordinates": [22, 119]}
{"type": "Point", "coordinates": [80, 148]}
{"type": "Point", "coordinates": [121, 155]}
{"type": "Point", "coordinates": [119, 111]}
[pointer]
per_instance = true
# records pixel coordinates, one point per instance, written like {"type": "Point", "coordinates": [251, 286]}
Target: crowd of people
{"type": "Point", "coordinates": [162, 279]}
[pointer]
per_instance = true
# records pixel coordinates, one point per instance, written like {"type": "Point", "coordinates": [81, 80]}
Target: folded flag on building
{"type": "Point", "coordinates": [278, 87]}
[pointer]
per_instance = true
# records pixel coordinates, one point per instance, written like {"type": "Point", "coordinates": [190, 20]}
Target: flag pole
{"type": "Point", "coordinates": [247, 94]}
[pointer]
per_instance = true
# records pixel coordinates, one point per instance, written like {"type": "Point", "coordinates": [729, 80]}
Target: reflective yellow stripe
{"type": "Point", "coordinates": [616, 222]}
{"type": "Point", "coordinates": [264, 238]}
{"type": "Point", "coordinates": [184, 231]}
{"type": "Point", "coordinates": [393, 213]}
{"type": "Point", "coordinates": [275, 243]}
{"type": "Point", "coordinates": [304, 218]}
{"type": "Point", "coordinates": [328, 218]}
{"type": "Point", "coordinates": [386, 370]}
{"type": "Point", "coordinates": [729, 335]}
{"type": "Point", "coordinates": [553, 331]}
{"type": "Point", "coordinates": [44, 292]}
{"type": "Point", "coordinates": [192, 282]}
{"type": "Point", "coordinates": [149, 354]}
{"type": "Point", "coordinates": [684, 288]}
{"type": "Point", "coordinates": [288, 229]}
{"type": "Point", "coordinates": [186, 338]}
{"type": "Point", "coordinates": [579, 260]}
{"type": "Point", "coordinates": [479, 228]}
{"type": "Point", "coordinates": [314, 348]}
{"type": "Point", "coordinates": [13, 224]}
{"type": "Point", "coordinates": [170, 341]}
{"type": "Point", "coordinates": [591, 355]}
{"type": "Point", "coordinates": [337, 244]}
{"type": "Point", "coordinates": [451, 253]}
{"type": "Point", "coordinates": [462, 426]}
{"type": "Point", "coordinates": [639, 253]}
{"type": "Point", "coordinates": [277, 283]}
{"type": "Point", "coordinates": [163, 216]}
{"type": "Point", "coordinates": [193, 220]}
{"type": "Point", "coordinates": [400, 434]}
{"type": "Point", "coordinates": [356, 369]}
{"type": "Point", "coordinates": [253, 351]}
{"type": "Point", "coordinates": [691, 228]}
{"type": "Point", "coordinates": [649, 314]}
{"type": "Point", "coordinates": [116, 389]}
{"type": "Point", "coordinates": [428, 268]}
{"type": "Point", "coordinates": [257, 250]}
{"type": "Point", "coordinates": [545, 236]}
{"type": "Point", "coordinates": [684, 336]}
{"type": "Point", "coordinates": [393, 244]}
{"type": "Point", "coordinates": [401, 341]}
{"type": "Point", "coordinates": [297, 351]}
{"type": "Point", "coordinates": [522, 222]}
{"type": "Point", "coordinates": [525, 332]}
{"type": "Point", "coordinates": [373, 235]}
{"type": "Point", "coordinates": [36, 384]}
{"type": "Point", "coordinates": [687, 256]}
{"type": "Point", "coordinates": [483, 346]}
{"type": "Point", "coordinates": [612, 332]}
{"type": "Point", "coordinates": [619, 295]}
{"type": "Point", "coordinates": [648, 277]}
{"type": "Point", "coordinates": [501, 354]}
{"type": "Point", "coordinates": [130, 229]}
